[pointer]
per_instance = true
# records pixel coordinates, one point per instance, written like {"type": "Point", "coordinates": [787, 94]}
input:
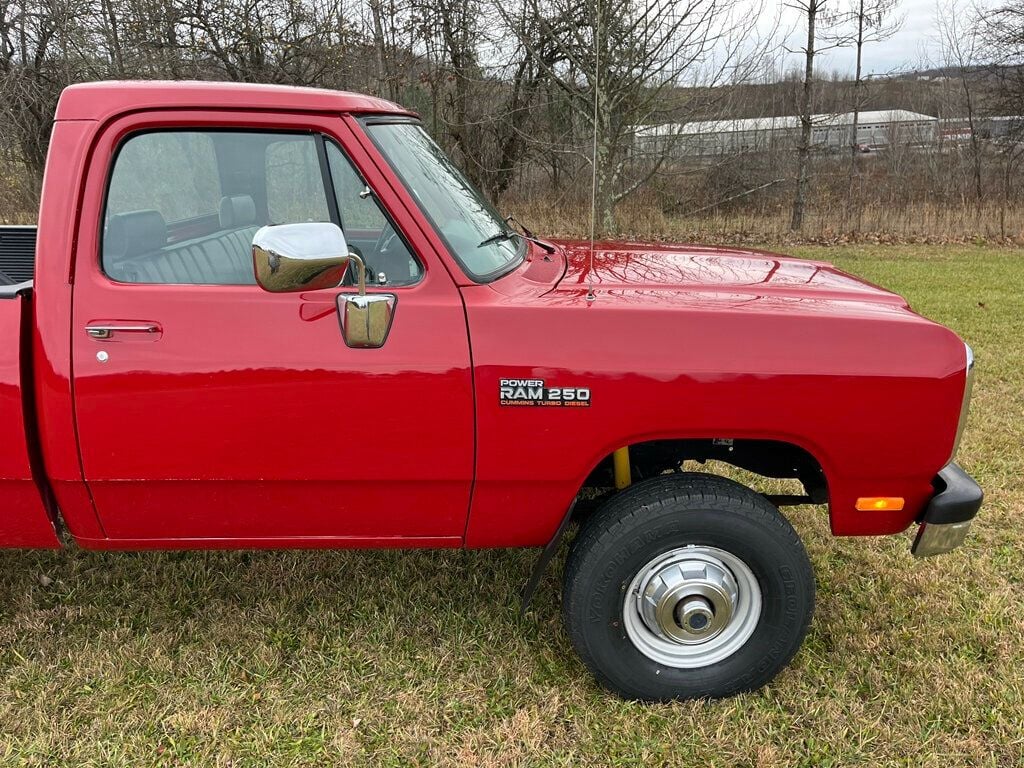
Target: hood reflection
{"type": "Point", "coordinates": [697, 268]}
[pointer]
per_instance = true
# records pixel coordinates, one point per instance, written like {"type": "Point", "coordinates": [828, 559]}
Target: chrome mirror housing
{"type": "Point", "coordinates": [299, 257]}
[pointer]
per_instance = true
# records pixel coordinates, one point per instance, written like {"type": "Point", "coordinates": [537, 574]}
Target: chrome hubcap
{"type": "Point", "coordinates": [692, 607]}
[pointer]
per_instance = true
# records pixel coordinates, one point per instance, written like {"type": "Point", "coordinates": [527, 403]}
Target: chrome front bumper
{"type": "Point", "coordinates": [949, 514]}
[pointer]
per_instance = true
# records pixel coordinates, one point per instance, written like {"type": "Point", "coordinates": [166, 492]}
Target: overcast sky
{"type": "Point", "coordinates": [912, 47]}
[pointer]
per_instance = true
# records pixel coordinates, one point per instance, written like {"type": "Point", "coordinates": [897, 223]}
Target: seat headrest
{"type": "Point", "coordinates": [237, 211]}
{"type": "Point", "coordinates": [134, 233]}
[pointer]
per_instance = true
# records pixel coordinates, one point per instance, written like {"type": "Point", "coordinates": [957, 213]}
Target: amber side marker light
{"type": "Point", "coordinates": [880, 504]}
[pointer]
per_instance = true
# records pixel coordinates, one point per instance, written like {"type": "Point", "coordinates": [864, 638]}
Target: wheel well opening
{"type": "Point", "coordinates": [773, 459]}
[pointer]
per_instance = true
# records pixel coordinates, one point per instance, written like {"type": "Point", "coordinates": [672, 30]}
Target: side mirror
{"type": "Point", "coordinates": [307, 257]}
{"type": "Point", "coordinates": [299, 257]}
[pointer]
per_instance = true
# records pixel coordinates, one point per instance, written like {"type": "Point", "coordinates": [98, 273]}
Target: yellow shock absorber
{"type": "Point", "coordinates": [623, 473]}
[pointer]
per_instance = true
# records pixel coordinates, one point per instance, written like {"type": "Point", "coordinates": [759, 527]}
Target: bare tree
{"type": "Point", "coordinates": [519, 90]}
{"type": "Point", "coordinates": [872, 21]}
{"type": "Point", "coordinates": [294, 42]}
{"type": "Point", "coordinates": [821, 18]}
{"type": "Point", "coordinates": [620, 64]}
{"type": "Point", "coordinates": [39, 45]}
{"type": "Point", "coordinates": [1001, 34]}
{"type": "Point", "coordinates": [960, 48]}
{"type": "Point", "coordinates": [379, 45]}
{"type": "Point", "coordinates": [450, 30]}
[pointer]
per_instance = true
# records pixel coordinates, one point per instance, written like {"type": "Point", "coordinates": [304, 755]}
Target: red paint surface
{"type": "Point", "coordinates": [247, 421]}
{"type": "Point", "coordinates": [691, 342]}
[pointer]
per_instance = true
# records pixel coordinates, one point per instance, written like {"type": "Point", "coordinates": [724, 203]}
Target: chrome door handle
{"type": "Point", "coordinates": [106, 331]}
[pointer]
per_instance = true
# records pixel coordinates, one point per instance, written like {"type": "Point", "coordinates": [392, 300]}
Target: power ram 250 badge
{"type": "Point", "coordinates": [534, 392]}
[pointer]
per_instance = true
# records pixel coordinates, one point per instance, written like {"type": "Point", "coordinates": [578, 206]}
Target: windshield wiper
{"type": "Point", "coordinates": [511, 219]}
{"type": "Point", "coordinates": [548, 247]}
{"type": "Point", "coordinates": [505, 234]}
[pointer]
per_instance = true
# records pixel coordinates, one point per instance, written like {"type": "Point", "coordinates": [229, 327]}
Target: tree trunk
{"type": "Point", "coordinates": [378, 50]}
{"type": "Point", "coordinates": [975, 143]}
{"type": "Point", "coordinates": [804, 148]}
{"type": "Point", "coordinates": [110, 23]}
{"type": "Point", "coordinates": [858, 82]}
{"type": "Point", "coordinates": [604, 193]}
{"type": "Point", "coordinates": [1005, 202]}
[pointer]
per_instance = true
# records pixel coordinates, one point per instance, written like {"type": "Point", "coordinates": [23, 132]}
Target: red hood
{"type": "Point", "coordinates": [694, 268]}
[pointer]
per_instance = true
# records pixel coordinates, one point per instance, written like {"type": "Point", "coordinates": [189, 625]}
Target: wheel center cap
{"type": "Point", "coordinates": [695, 614]}
{"type": "Point", "coordinates": [687, 599]}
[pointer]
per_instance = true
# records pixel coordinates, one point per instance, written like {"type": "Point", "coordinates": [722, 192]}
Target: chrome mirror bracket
{"type": "Point", "coordinates": [365, 318]}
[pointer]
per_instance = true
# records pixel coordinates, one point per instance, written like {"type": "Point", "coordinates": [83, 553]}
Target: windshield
{"type": "Point", "coordinates": [474, 232]}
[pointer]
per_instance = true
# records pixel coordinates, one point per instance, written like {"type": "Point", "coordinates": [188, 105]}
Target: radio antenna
{"type": "Point", "coordinates": [593, 165]}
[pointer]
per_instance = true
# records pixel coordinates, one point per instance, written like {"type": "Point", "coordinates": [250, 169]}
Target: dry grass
{"type": "Point", "coordinates": [359, 658]}
{"type": "Point", "coordinates": [643, 219]}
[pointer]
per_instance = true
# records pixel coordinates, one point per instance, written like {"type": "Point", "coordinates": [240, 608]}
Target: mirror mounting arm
{"type": "Point", "coordinates": [360, 271]}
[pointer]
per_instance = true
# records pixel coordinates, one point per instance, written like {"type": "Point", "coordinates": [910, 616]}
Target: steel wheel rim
{"type": "Point", "coordinates": [692, 607]}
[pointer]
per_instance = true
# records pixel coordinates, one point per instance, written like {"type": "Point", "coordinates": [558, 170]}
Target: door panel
{"type": "Point", "coordinates": [245, 416]}
{"type": "Point", "coordinates": [243, 419]}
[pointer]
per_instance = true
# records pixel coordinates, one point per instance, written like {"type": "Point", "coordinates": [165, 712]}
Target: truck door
{"type": "Point", "coordinates": [210, 410]}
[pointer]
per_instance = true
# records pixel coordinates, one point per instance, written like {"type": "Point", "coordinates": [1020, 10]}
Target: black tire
{"type": "Point", "coordinates": [669, 514]}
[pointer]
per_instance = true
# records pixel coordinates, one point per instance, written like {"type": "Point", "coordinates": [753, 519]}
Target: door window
{"type": "Point", "coordinates": [173, 172]}
{"type": "Point", "coordinates": [182, 206]}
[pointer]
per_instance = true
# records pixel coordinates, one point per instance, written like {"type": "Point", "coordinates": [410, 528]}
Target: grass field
{"type": "Point", "coordinates": [414, 659]}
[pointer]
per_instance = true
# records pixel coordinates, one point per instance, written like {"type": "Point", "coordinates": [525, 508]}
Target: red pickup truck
{"type": "Point", "coordinates": [275, 317]}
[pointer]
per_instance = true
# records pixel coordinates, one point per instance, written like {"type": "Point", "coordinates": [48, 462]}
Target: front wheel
{"type": "Point", "coordinates": [687, 586]}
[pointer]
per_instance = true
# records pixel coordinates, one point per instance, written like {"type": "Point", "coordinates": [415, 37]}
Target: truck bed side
{"type": "Point", "coordinates": [24, 519]}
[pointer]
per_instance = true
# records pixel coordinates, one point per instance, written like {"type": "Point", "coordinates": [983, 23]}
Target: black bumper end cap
{"type": "Point", "coordinates": [957, 499]}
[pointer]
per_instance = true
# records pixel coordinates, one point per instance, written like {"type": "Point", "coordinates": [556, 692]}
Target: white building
{"type": "Point", "coordinates": [876, 129]}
